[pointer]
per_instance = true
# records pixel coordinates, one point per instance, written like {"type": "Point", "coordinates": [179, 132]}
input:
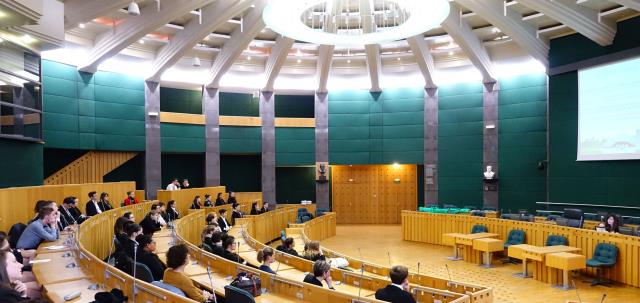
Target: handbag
{"type": "Point", "coordinates": [248, 282]}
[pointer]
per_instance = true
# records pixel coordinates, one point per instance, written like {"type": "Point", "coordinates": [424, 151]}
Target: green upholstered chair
{"type": "Point", "coordinates": [605, 256]}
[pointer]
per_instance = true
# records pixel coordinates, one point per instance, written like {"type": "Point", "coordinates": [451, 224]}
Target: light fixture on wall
{"type": "Point", "coordinates": [396, 180]}
{"type": "Point", "coordinates": [396, 165]}
{"type": "Point", "coordinates": [196, 61]}
{"type": "Point", "coordinates": [490, 126]}
{"type": "Point", "coordinates": [133, 9]}
{"type": "Point", "coordinates": [153, 114]}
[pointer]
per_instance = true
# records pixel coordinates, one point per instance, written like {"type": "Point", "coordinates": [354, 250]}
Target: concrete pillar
{"type": "Point", "coordinates": [267, 116]}
{"type": "Point", "coordinates": [19, 93]}
{"type": "Point", "coordinates": [152, 155]}
{"type": "Point", "coordinates": [490, 142]}
{"type": "Point", "coordinates": [321, 109]}
{"type": "Point", "coordinates": [431, 146]}
{"type": "Point", "coordinates": [210, 108]}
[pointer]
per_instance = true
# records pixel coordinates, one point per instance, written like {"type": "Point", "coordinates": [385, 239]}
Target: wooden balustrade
{"type": "Point", "coordinates": [17, 203]}
{"type": "Point", "coordinates": [89, 168]}
{"type": "Point", "coordinates": [428, 228]}
{"type": "Point", "coordinates": [184, 197]}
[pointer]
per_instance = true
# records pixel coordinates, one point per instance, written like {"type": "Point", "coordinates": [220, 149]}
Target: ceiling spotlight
{"type": "Point", "coordinates": [1, 40]}
{"type": "Point", "coordinates": [141, 41]}
{"type": "Point", "coordinates": [196, 61]}
{"type": "Point", "coordinates": [450, 53]}
{"type": "Point", "coordinates": [398, 58]}
{"type": "Point", "coordinates": [133, 9]}
{"type": "Point", "coordinates": [299, 61]}
{"type": "Point", "coordinates": [495, 30]}
{"type": "Point", "coordinates": [27, 39]}
{"type": "Point", "coordinates": [348, 61]}
{"type": "Point", "coordinates": [249, 58]}
{"type": "Point", "coordinates": [253, 5]}
{"type": "Point", "coordinates": [81, 25]}
{"type": "Point", "coordinates": [298, 53]}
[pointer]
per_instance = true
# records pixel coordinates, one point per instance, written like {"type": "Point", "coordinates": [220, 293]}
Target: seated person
{"type": "Point", "coordinates": [229, 246]}
{"type": "Point", "coordinates": [205, 237]}
{"type": "Point", "coordinates": [321, 272]}
{"type": "Point", "coordinates": [207, 201]}
{"type": "Point", "coordinates": [130, 199]}
{"type": "Point", "coordinates": [232, 198]}
{"type": "Point", "coordinates": [174, 185]}
{"type": "Point", "coordinates": [163, 212]}
{"type": "Point", "coordinates": [172, 211]}
{"type": "Point", "coordinates": [398, 290]}
{"type": "Point", "coordinates": [156, 208]}
{"type": "Point", "coordinates": [151, 223]}
{"type": "Point", "coordinates": [147, 256]}
{"type": "Point", "coordinates": [254, 209]}
{"type": "Point", "coordinates": [211, 219]}
{"type": "Point", "coordinates": [236, 213]}
{"type": "Point", "coordinates": [288, 247]}
{"type": "Point", "coordinates": [612, 224]}
{"type": "Point", "coordinates": [216, 243]}
{"type": "Point", "coordinates": [129, 244]}
{"type": "Point", "coordinates": [119, 230]}
{"type": "Point", "coordinates": [185, 183]}
{"type": "Point", "coordinates": [129, 215]}
{"type": "Point", "coordinates": [104, 202]}
{"type": "Point", "coordinates": [177, 260]}
{"type": "Point", "coordinates": [222, 220]}
{"type": "Point", "coordinates": [43, 229]}
{"type": "Point", "coordinates": [312, 251]}
{"type": "Point", "coordinates": [68, 212]}
{"type": "Point", "coordinates": [92, 207]}
{"type": "Point", "coordinates": [196, 204]}
{"type": "Point", "coordinates": [219, 200]}
{"type": "Point", "coordinates": [11, 270]}
{"type": "Point", "coordinates": [40, 204]}
{"type": "Point", "coordinates": [265, 207]}
{"type": "Point", "coordinates": [266, 257]}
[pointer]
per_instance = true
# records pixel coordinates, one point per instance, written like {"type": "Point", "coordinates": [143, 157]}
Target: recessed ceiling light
{"type": "Point", "coordinates": [249, 58]}
{"type": "Point", "coordinates": [253, 5]}
{"type": "Point", "coordinates": [299, 61]}
{"type": "Point", "coordinates": [2, 14]}
{"type": "Point", "coordinates": [495, 30]}
{"type": "Point", "coordinates": [398, 58]}
{"type": "Point", "coordinates": [1, 40]}
{"type": "Point", "coordinates": [133, 9]}
{"type": "Point", "coordinates": [81, 25]}
{"type": "Point", "coordinates": [27, 39]}
{"type": "Point", "coordinates": [141, 41]}
{"type": "Point", "coordinates": [196, 61]}
{"type": "Point", "coordinates": [450, 53]}
{"type": "Point", "coordinates": [298, 53]}
{"type": "Point", "coordinates": [348, 61]}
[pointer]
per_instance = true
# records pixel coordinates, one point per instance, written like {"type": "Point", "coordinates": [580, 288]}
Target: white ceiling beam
{"type": "Point", "coordinates": [325, 52]}
{"type": "Point", "coordinates": [424, 59]}
{"type": "Point", "coordinates": [213, 16]}
{"type": "Point", "coordinates": [81, 11]}
{"type": "Point", "coordinates": [462, 33]}
{"type": "Point", "coordinates": [135, 27]}
{"type": "Point", "coordinates": [583, 20]}
{"type": "Point", "coordinates": [276, 60]}
{"type": "Point", "coordinates": [374, 63]}
{"type": "Point", "coordinates": [632, 4]}
{"type": "Point", "coordinates": [510, 22]}
{"type": "Point", "coordinates": [251, 26]}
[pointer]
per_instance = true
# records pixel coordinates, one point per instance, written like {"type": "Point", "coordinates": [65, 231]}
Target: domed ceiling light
{"type": "Point", "coordinates": [384, 21]}
{"type": "Point", "coordinates": [133, 9]}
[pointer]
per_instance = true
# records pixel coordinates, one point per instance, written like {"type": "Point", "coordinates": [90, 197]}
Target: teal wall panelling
{"type": "Point", "coordinates": [237, 104]}
{"type": "Point", "coordinates": [240, 140]}
{"type": "Point", "coordinates": [182, 138]}
{"type": "Point", "coordinates": [180, 100]}
{"type": "Point", "coordinates": [21, 163]}
{"type": "Point", "coordinates": [294, 184]}
{"type": "Point", "coordinates": [295, 146]}
{"type": "Point", "coordinates": [522, 128]}
{"type": "Point", "coordinates": [460, 144]}
{"type": "Point", "coordinates": [294, 106]}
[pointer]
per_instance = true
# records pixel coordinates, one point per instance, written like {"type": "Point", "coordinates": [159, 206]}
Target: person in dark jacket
{"type": "Point", "coordinates": [222, 220]}
{"type": "Point", "coordinates": [235, 214]}
{"type": "Point", "coordinates": [104, 202]}
{"type": "Point", "coordinates": [321, 272]}
{"type": "Point", "coordinates": [219, 200]}
{"type": "Point", "coordinates": [398, 290]}
{"type": "Point", "coordinates": [232, 198]}
{"type": "Point", "coordinates": [150, 224]}
{"type": "Point", "coordinates": [207, 201]}
{"type": "Point", "coordinates": [287, 247]}
{"type": "Point", "coordinates": [265, 207]}
{"type": "Point", "coordinates": [254, 209]}
{"type": "Point", "coordinates": [196, 204]}
{"type": "Point", "coordinates": [148, 257]}
{"type": "Point", "coordinates": [92, 207]}
{"type": "Point", "coordinates": [229, 246]}
{"type": "Point", "coordinates": [172, 211]}
{"type": "Point", "coordinates": [216, 243]}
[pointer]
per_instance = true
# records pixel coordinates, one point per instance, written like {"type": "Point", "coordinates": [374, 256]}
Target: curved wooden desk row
{"type": "Point", "coordinates": [428, 228]}
{"type": "Point", "coordinates": [184, 197]}
{"type": "Point", "coordinates": [324, 226]}
{"type": "Point", "coordinates": [17, 203]}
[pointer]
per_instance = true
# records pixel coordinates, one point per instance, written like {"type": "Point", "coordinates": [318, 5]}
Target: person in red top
{"type": "Point", "coordinates": [131, 199]}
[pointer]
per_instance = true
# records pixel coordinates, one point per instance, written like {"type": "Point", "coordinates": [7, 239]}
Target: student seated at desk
{"type": "Point", "coordinates": [398, 290]}
{"type": "Point", "coordinates": [151, 223]}
{"type": "Point", "coordinates": [222, 220]}
{"type": "Point", "coordinates": [211, 219]}
{"type": "Point", "coordinates": [40, 205]}
{"type": "Point", "coordinates": [205, 237]}
{"type": "Point", "coordinates": [207, 201]}
{"type": "Point", "coordinates": [156, 208]}
{"type": "Point", "coordinates": [232, 198]}
{"type": "Point", "coordinates": [266, 257]}
{"type": "Point", "coordinates": [321, 271]}
{"type": "Point", "coordinates": [69, 213]}
{"type": "Point", "coordinates": [612, 224]}
{"type": "Point", "coordinates": [236, 213]}
{"type": "Point", "coordinates": [129, 244]}
{"type": "Point", "coordinates": [163, 212]}
{"type": "Point", "coordinates": [215, 243]}
{"type": "Point", "coordinates": [147, 256]}
{"type": "Point", "coordinates": [11, 272]}
{"type": "Point", "coordinates": [43, 229]}
{"type": "Point", "coordinates": [287, 247]}
{"type": "Point", "coordinates": [265, 207]}
{"type": "Point", "coordinates": [130, 199]}
{"type": "Point", "coordinates": [119, 231]}
{"type": "Point", "coordinates": [312, 251]}
{"type": "Point", "coordinates": [177, 260]}
{"type": "Point", "coordinates": [229, 246]}
{"type": "Point", "coordinates": [104, 202]}
{"type": "Point", "coordinates": [254, 209]}
{"type": "Point", "coordinates": [129, 215]}
{"type": "Point", "coordinates": [92, 207]}
{"type": "Point", "coordinates": [219, 200]}
{"type": "Point", "coordinates": [172, 211]}
{"type": "Point", "coordinates": [196, 204]}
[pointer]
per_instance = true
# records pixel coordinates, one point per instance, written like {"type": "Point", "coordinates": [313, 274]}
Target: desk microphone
{"type": "Point", "coordinates": [278, 267]}
{"type": "Point", "coordinates": [577, 293]}
{"type": "Point", "coordinates": [449, 274]}
{"type": "Point", "coordinates": [213, 290]}
{"type": "Point", "coordinates": [135, 260]}
{"type": "Point", "coordinates": [111, 250]}
{"type": "Point", "coordinates": [603, 297]}
{"type": "Point", "coordinates": [73, 295]}
{"type": "Point", "coordinates": [418, 270]}
{"type": "Point", "coordinates": [389, 258]}
{"type": "Point", "coordinates": [360, 283]}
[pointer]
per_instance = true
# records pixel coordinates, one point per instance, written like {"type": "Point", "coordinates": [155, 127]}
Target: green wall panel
{"type": "Point", "coordinates": [460, 144]}
{"type": "Point", "coordinates": [240, 140]}
{"type": "Point", "coordinates": [180, 100]}
{"type": "Point", "coordinates": [55, 159]}
{"type": "Point", "coordinates": [241, 172]}
{"type": "Point", "coordinates": [294, 106]}
{"type": "Point", "coordinates": [21, 163]}
{"type": "Point", "coordinates": [236, 104]}
{"type": "Point", "coordinates": [295, 146]}
{"type": "Point", "coordinates": [183, 166]}
{"type": "Point", "coordinates": [294, 184]}
{"type": "Point", "coordinates": [522, 141]}
{"type": "Point", "coordinates": [182, 138]}
{"type": "Point", "coordinates": [101, 111]}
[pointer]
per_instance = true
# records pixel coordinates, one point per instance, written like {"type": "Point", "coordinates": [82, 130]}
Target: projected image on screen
{"type": "Point", "coordinates": [609, 111]}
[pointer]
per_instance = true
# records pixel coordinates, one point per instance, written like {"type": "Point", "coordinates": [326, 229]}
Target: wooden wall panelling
{"type": "Point", "coordinates": [89, 168]}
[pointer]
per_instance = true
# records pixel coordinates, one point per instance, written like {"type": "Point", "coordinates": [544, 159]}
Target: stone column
{"type": "Point", "coordinates": [321, 109]}
{"type": "Point", "coordinates": [152, 155]}
{"type": "Point", "coordinates": [210, 108]}
{"type": "Point", "coordinates": [431, 146]}
{"type": "Point", "coordinates": [490, 141]}
{"type": "Point", "coordinates": [267, 116]}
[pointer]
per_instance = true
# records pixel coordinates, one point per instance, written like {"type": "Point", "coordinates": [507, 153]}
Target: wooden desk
{"type": "Point", "coordinates": [537, 254]}
{"type": "Point", "coordinates": [56, 270]}
{"type": "Point", "coordinates": [449, 239]}
{"type": "Point", "coordinates": [220, 281]}
{"type": "Point", "coordinates": [63, 240]}
{"type": "Point", "coordinates": [252, 258]}
{"type": "Point", "coordinates": [296, 275]}
{"type": "Point", "coordinates": [55, 292]}
{"type": "Point", "coordinates": [565, 262]}
{"type": "Point", "coordinates": [488, 246]}
{"type": "Point", "coordinates": [466, 242]}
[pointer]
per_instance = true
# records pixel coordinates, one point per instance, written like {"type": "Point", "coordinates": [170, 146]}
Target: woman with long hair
{"type": "Point", "coordinates": [11, 274]}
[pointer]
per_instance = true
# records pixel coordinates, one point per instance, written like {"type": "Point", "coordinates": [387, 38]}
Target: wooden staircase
{"type": "Point", "coordinates": [90, 168]}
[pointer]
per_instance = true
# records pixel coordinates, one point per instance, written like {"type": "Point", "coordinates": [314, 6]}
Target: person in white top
{"type": "Point", "coordinates": [174, 185]}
